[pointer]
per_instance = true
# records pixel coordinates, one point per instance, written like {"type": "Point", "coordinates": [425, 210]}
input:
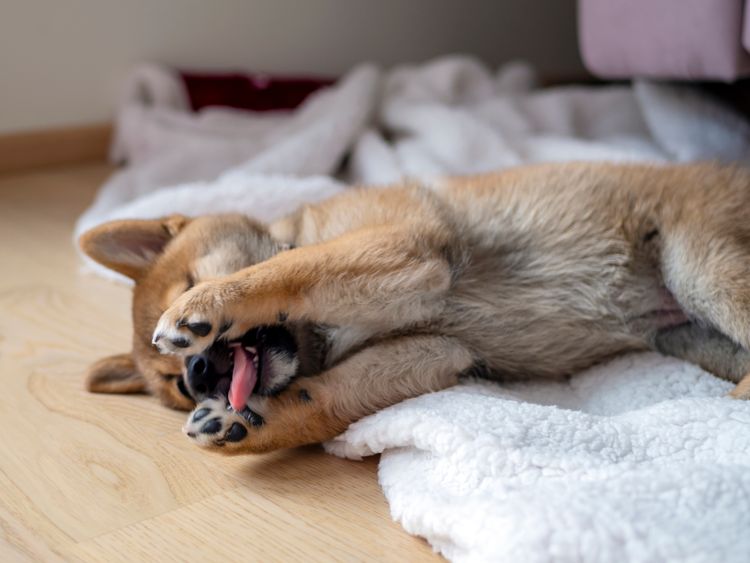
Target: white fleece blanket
{"type": "Point", "coordinates": [642, 459]}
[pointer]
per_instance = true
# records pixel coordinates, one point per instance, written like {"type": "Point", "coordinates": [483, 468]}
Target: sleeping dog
{"type": "Point", "coordinates": [284, 335]}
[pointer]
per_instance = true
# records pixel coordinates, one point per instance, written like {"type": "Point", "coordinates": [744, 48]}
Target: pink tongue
{"type": "Point", "coordinates": [243, 378]}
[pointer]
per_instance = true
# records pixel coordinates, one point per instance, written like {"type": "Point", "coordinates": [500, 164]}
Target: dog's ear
{"type": "Point", "coordinates": [115, 374]}
{"type": "Point", "coordinates": [129, 246]}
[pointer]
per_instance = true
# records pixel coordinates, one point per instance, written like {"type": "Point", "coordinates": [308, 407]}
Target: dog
{"type": "Point", "coordinates": [281, 336]}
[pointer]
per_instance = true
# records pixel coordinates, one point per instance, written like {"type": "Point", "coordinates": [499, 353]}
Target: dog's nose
{"type": "Point", "coordinates": [201, 374]}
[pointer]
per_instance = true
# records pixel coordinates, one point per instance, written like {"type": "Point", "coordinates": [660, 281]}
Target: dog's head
{"type": "Point", "coordinates": [165, 257]}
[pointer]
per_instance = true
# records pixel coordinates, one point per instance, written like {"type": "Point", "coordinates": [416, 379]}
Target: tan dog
{"type": "Point", "coordinates": [379, 295]}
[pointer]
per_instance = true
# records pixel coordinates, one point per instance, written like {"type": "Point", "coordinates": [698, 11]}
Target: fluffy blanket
{"type": "Point", "coordinates": [642, 459]}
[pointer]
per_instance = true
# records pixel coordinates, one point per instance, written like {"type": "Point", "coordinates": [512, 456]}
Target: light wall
{"type": "Point", "coordinates": [62, 60]}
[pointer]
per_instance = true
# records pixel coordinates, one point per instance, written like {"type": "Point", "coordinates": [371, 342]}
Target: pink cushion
{"type": "Point", "coordinates": [686, 39]}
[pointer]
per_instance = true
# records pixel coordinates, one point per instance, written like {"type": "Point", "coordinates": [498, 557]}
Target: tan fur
{"type": "Point", "coordinates": [535, 272]}
{"type": "Point", "coordinates": [742, 391]}
{"type": "Point", "coordinates": [182, 260]}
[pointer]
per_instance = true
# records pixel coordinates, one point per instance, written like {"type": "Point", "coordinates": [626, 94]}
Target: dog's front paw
{"type": "Point", "coordinates": [194, 321]}
{"type": "Point", "coordinates": [297, 416]}
{"type": "Point", "coordinates": [214, 424]}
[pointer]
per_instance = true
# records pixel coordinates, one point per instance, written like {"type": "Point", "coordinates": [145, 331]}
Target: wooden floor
{"type": "Point", "coordinates": [111, 478]}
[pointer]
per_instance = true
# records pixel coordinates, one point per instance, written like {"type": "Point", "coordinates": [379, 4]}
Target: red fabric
{"type": "Point", "coordinates": [257, 92]}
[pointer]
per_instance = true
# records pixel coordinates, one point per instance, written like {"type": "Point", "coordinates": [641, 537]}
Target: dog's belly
{"type": "Point", "coordinates": [557, 316]}
{"type": "Point", "coordinates": [548, 349]}
{"type": "Point", "coordinates": [553, 331]}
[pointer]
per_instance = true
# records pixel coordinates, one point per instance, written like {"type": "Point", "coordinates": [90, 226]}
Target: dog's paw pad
{"type": "Point", "coordinates": [183, 337]}
{"type": "Point", "coordinates": [192, 322]}
{"type": "Point", "coordinates": [211, 427]}
{"type": "Point", "coordinates": [181, 342]}
{"type": "Point", "coordinates": [236, 432]}
{"type": "Point", "coordinates": [200, 414]}
{"type": "Point", "coordinates": [251, 417]}
{"type": "Point", "coordinates": [215, 424]}
{"type": "Point", "coordinates": [197, 328]}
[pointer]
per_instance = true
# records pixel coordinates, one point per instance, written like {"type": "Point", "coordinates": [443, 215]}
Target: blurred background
{"type": "Point", "coordinates": [62, 62]}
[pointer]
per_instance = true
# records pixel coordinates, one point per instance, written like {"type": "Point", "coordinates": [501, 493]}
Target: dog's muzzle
{"type": "Point", "coordinates": [271, 349]}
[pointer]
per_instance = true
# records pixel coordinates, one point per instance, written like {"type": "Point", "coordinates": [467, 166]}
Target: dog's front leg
{"type": "Point", "coordinates": [318, 408]}
{"type": "Point", "coordinates": [386, 277]}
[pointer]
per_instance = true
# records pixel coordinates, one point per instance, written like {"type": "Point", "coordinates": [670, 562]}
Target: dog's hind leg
{"type": "Point", "coordinates": [706, 347]}
{"type": "Point", "coordinates": [315, 409]}
{"type": "Point", "coordinates": [708, 272]}
{"type": "Point", "coordinates": [707, 269]}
